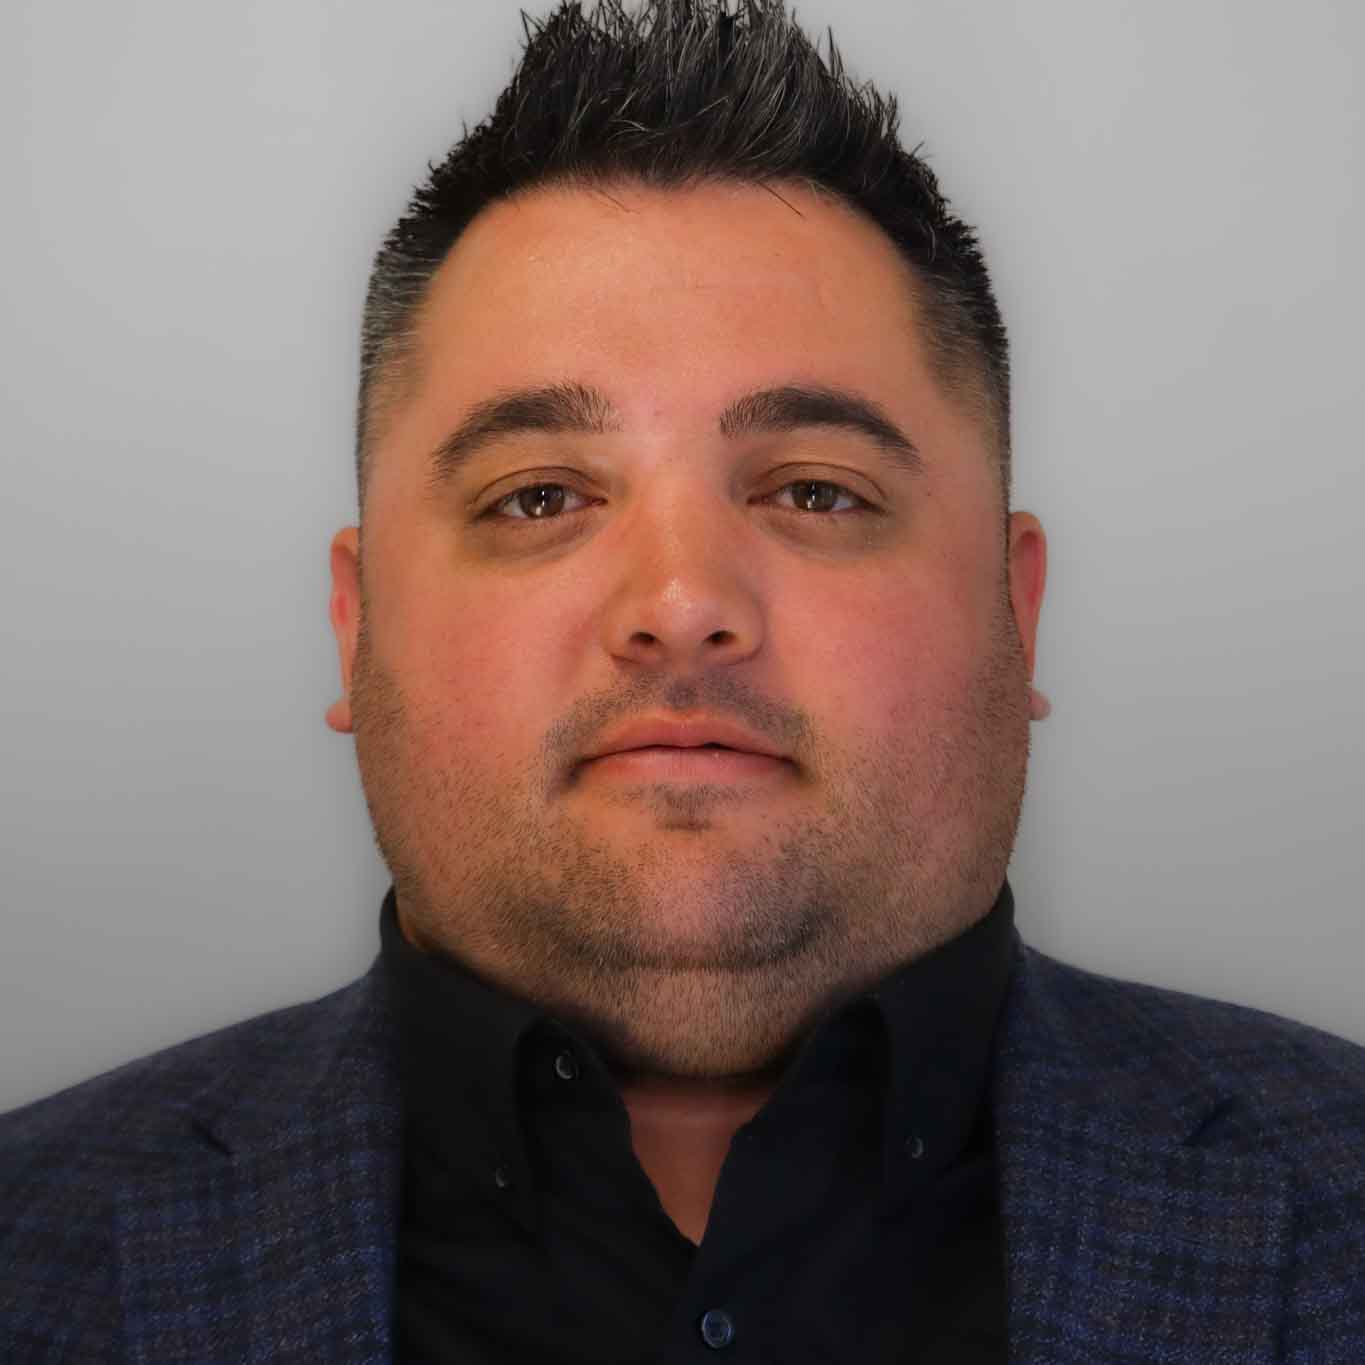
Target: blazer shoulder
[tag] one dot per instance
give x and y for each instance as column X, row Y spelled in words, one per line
column 1285, row 1073
column 73, row 1165
column 1276, row 1105
column 141, row 1107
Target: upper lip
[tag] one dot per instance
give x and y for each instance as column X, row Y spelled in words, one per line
column 683, row 734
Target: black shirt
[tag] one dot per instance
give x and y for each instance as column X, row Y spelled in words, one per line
column 855, row 1218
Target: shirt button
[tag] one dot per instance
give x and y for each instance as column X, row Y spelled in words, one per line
column 717, row 1328
column 914, row 1146
column 566, row 1066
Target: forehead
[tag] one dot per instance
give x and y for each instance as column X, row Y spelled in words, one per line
column 626, row 266
column 671, row 302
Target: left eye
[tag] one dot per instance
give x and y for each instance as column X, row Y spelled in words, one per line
column 816, row 495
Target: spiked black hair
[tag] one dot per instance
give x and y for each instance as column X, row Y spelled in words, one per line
column 673, row 93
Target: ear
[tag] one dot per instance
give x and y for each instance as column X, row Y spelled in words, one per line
column 345, row 614
column 1028, row 576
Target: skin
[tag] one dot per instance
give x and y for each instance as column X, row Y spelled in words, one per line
column 695, row 931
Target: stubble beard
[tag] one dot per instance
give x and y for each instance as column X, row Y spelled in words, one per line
column 906, row 850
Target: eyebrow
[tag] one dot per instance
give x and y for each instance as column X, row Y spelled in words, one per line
column 791, row 407
column 579, row 408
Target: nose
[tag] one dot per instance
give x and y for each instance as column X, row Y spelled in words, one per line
column 684, row 598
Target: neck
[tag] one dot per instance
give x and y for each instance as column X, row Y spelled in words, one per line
column 681, row 1127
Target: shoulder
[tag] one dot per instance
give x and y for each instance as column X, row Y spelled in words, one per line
column 1227, row 1038
column 1278, row 1065
column 1277, row 1106
column 75, row 1143
column 1278, row 1083
column 87, row 1172
column 1166, row 1069
column 71, row 1163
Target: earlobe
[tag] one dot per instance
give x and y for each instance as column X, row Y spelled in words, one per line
column 345, row 616
column 338, row 716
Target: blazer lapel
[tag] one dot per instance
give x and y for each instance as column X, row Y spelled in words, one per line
column 1138, row 1226
column 267, row 1233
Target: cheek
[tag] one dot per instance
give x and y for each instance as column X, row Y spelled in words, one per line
column 878, row 657
column 479, row 670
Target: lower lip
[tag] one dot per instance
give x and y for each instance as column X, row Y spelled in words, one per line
column 661, row 764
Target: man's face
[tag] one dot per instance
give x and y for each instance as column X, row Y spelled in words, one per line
column 868, row 622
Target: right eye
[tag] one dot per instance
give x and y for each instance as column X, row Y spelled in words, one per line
column 534, row 502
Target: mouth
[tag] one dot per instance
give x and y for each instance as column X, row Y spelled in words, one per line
column 673, row 731
column 678, row 747
column 711, row 762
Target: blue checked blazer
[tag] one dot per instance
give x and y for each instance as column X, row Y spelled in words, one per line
column 1181, row 1181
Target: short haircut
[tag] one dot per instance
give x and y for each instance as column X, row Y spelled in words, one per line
column 673, row 94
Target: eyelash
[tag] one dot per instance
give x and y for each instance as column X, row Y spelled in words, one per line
column 492, row 512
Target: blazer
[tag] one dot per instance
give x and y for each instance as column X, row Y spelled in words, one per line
column 1180, row 1180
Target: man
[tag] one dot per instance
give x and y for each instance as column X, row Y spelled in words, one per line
column 687, row 639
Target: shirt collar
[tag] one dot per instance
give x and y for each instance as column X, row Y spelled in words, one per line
column 461, row 1039
column 941, row 1012
column 459, row 1036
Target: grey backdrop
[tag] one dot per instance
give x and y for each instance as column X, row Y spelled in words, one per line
column 1171, row 194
